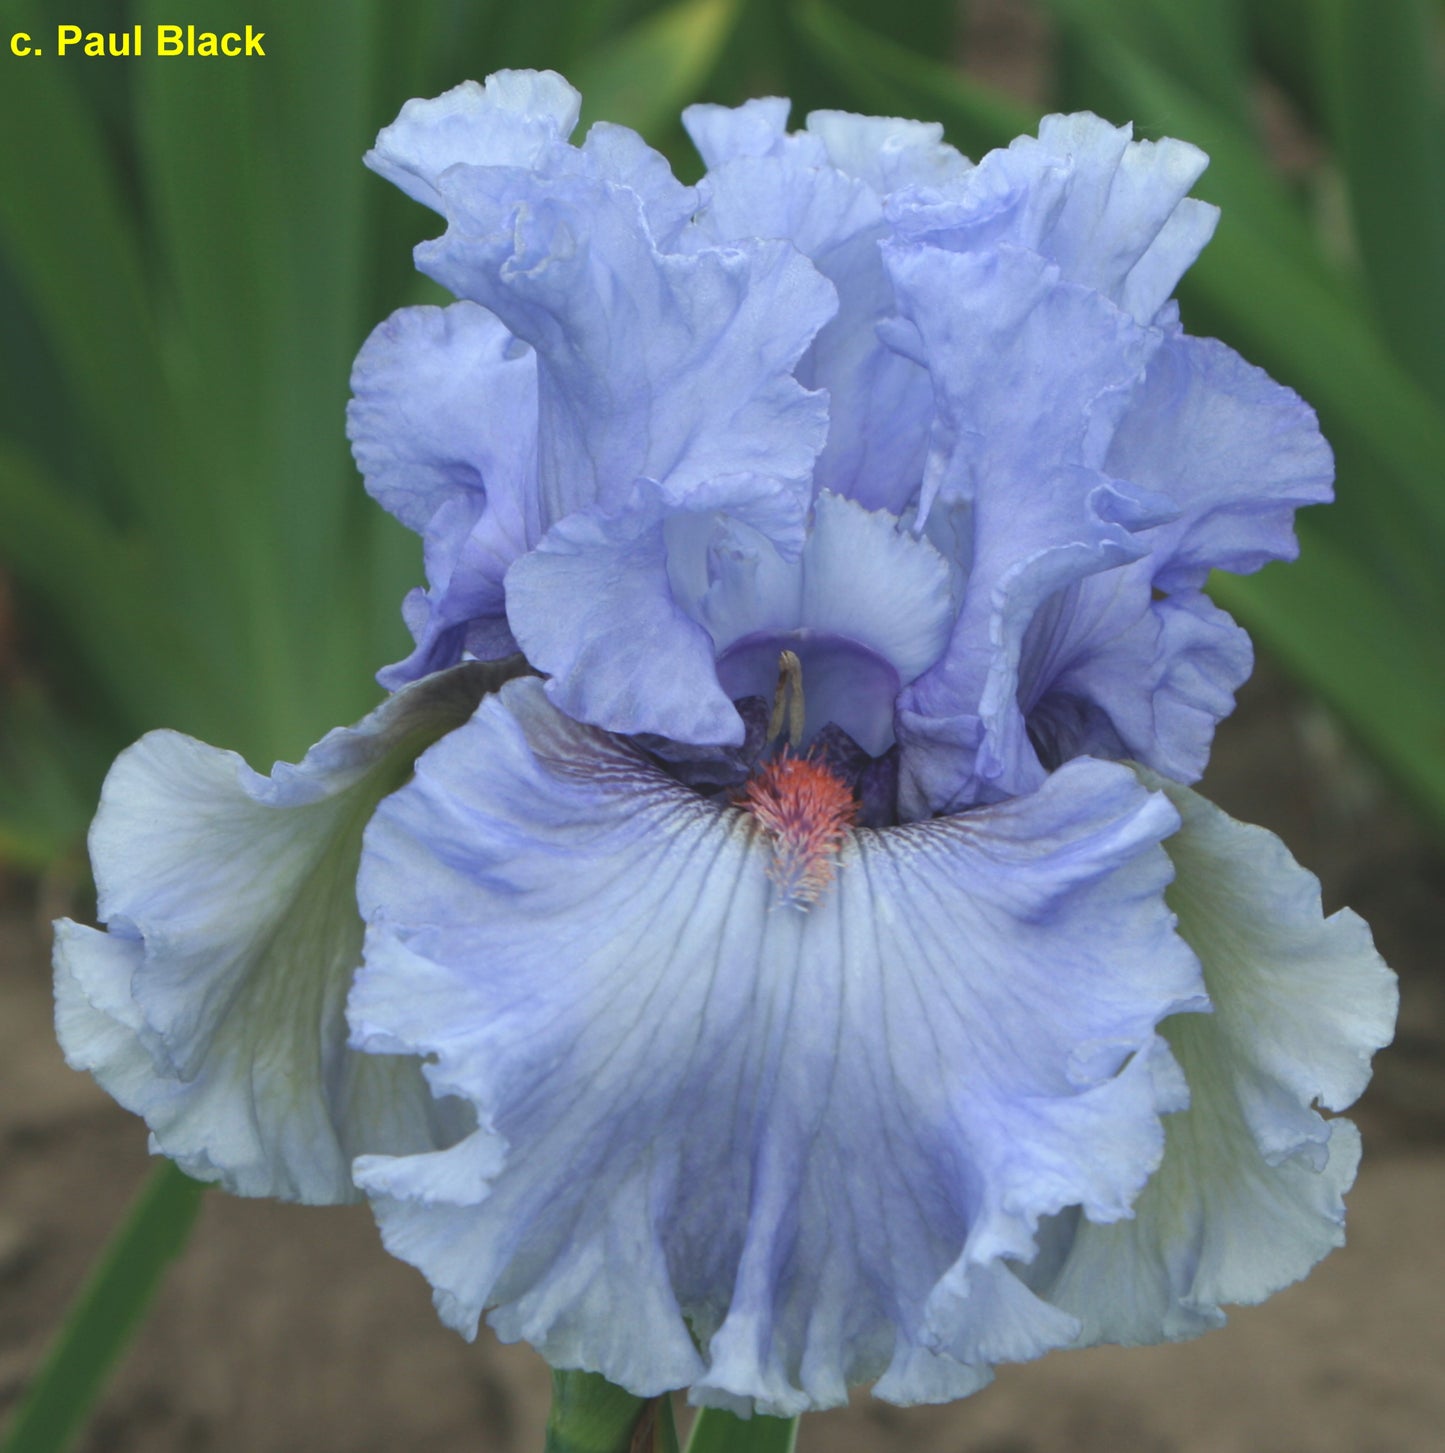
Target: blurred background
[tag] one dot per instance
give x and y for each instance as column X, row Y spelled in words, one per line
column 191, row 254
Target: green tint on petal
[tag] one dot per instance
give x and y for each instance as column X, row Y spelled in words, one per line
column 214, row 1005
column 1250, row 1193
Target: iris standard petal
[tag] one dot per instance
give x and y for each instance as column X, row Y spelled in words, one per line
column 668, row 366
column 1030, row 376
column 1114, row 214
column 213, row 1006
column 824, row 190
column 1236, row 451
column 1113, row 668
column 1138, row 662
column 727, row 1143
column 442, row 422
column 1249, row 1194
column 514, row 119
column 652, row 363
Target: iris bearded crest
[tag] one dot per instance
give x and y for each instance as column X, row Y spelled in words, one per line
column 880, row 1020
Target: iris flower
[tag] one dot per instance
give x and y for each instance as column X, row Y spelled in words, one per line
column 767, row 942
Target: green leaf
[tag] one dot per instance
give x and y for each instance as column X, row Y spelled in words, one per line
column 70, row 239
column 646, row 75
column 716, row 1431
column 591, row 1415
column 1199, row 43
column 51, row 768
column 1378, row 666
column 1380, row 82
column 888, row 78
column 86, row 573
column 108, row 1310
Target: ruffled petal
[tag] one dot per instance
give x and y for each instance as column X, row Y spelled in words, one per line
column 594, row 607
column 726, row 1143
column 1250, row 1192
column 1112, row 668
column 824, row 193
column 213, row 1006
column 1237, row 452
column 514, row 119
column 1114, row 214
column 1138, row 662
column 890, row 153
column 1030, row 377
column 722, row 134
column 443, row 426
column 659, row 365
column 859, row 576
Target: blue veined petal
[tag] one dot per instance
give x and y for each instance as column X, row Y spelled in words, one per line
column 1250, row 1192
column 726, row 1143
column 214, row 1005
column 443, row 426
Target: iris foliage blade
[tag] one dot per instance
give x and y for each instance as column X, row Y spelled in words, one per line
column 107, row 1312
column 716, row 1431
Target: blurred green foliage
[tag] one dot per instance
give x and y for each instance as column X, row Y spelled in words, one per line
column 191, row 253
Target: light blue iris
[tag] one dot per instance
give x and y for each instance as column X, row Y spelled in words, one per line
column 1037, row 1067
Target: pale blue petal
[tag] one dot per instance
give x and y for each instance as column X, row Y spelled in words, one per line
column 725, row 1143
column 594, row 607
column 889, row 153
column 1030, row 377
column 1112, row 213
column 1113, row 668
column 214, row 1006
column 1236, row 451
column 443, row 424
column 859, row 576
column 725, row 133
column 831, row 209
column 624, row 158
column 1137, row 662
column 659, row 365
column 861, row 581
column 1250, row 1193
column 514, row 119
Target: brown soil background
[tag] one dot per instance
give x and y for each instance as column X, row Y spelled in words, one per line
column 286, row 1328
